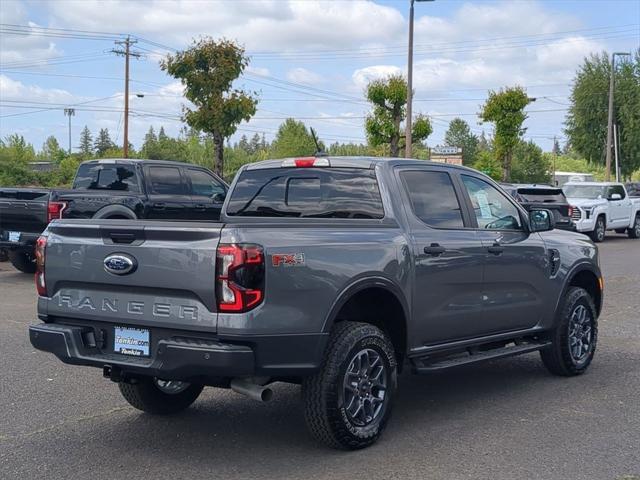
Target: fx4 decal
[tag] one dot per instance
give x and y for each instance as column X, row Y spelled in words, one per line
column 287, row 259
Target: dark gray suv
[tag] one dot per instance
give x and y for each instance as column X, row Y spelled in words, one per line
column 335, row 273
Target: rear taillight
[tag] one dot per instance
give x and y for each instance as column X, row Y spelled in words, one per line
column 239, row 277
column 570, row 210
column 55, row 209
column 41, row 284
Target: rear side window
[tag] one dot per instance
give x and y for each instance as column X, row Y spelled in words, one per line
column 542, row 195
column 106, row 177
column 165, row 181
column 433, row 198
column 307, row 192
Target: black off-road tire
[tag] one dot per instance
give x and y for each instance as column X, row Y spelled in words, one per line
column 146, row 396
column 326, row 414
column 558, row 357
column 599, row 231
column 22, row 261
column 634, row 232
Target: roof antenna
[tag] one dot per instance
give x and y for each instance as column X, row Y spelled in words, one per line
column 319, row 151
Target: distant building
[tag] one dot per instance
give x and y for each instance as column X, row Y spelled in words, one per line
column 42, row 166
column 446, row 154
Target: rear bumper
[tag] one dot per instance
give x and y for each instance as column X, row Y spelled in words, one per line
column 185, row 356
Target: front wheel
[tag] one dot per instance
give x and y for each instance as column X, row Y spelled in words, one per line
column 634, row 231
column 348, row 402
column 574, row 339
column 599, row 231
column 22, row 261
column 160, row 397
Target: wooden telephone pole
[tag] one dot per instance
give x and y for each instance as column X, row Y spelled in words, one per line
column 126, row 53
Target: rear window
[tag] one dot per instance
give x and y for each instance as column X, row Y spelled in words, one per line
column 106, row 177
column 307, row 192
column 542, row 195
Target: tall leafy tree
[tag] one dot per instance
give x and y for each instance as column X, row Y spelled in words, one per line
column 86, row 143
column 103, row 142
column 384, row 125
column 529, row 164
column 51, row 150
column 459, row 135
column 207, row 70
column 292, row 140
column 505, row 109
column 586, row 122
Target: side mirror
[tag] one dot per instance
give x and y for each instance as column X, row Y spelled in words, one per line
column 541, row 220
column 219, row 198
column 615, row 196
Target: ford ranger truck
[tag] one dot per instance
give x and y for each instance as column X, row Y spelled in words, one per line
column 335, row 273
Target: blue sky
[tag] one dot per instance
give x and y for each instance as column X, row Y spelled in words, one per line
column 309, row 59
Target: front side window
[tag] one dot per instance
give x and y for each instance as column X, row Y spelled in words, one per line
column 616, row 189
column 165, row 181
column 492, row 208
column 433, row 198
column 203, row 184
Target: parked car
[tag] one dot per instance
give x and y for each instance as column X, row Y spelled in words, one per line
column 109, row 188
column 602, row 206
column 336, row 273
column 535, row 196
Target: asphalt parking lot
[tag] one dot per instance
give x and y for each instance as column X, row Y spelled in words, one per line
column 507, row 419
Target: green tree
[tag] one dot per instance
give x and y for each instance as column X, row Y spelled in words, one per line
column 207, row 70
column 103, row 143
column 459, row 135
column 586, row 122
column 292, row 140
column 51, row 150
column 254, row 144
column 556, row 150
column 488, row 164
column 484, row 143
column 384, row 125
column 86, row 143
column 505, row 109
column 15, row 155
column 529, row 164
column 243, row 144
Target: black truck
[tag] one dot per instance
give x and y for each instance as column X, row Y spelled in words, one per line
column 109, row 189
column 533, row 196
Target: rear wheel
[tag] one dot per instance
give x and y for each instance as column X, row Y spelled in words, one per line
column 22, row 261
column 575, row 336
column 160, row 397
column 599, row 231
column 348, row 402
column 634, row 232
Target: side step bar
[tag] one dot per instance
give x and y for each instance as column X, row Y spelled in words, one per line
column 429, row 364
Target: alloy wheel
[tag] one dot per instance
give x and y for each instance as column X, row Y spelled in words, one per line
column 580, row 334
column 365, row 387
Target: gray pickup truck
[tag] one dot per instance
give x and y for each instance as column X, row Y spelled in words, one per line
column 336, row 273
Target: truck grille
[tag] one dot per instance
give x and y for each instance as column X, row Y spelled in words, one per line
column 576, row 213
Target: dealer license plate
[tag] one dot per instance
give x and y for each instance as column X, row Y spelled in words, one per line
column 131, row 341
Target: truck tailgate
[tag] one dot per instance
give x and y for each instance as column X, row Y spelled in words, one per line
column 172, row 283
column 23, row 210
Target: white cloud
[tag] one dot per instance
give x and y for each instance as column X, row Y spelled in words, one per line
column 362, row 76
column 304, row 76
column 14, row 90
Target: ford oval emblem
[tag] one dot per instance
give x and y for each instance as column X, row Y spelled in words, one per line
column 120, row 264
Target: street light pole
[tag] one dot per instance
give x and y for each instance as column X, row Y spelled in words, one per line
column 408, row 123
column 69, row 112
column 610, row 114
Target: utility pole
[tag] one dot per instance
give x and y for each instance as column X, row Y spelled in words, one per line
column 408, row 135
column 126, row 53
column 610, row 114
column 615, row 150
column 69, row 112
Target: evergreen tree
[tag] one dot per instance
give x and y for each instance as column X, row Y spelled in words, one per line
column 254, row 144
column 162, row 136
column 103, row 142
column 556, row 147
column 86, row 143
column 459, row 135
column 243, row 144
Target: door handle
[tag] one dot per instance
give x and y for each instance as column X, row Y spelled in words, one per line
column 435, row 249
column 200, row 206
column 158, row 205
column 496, row 249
